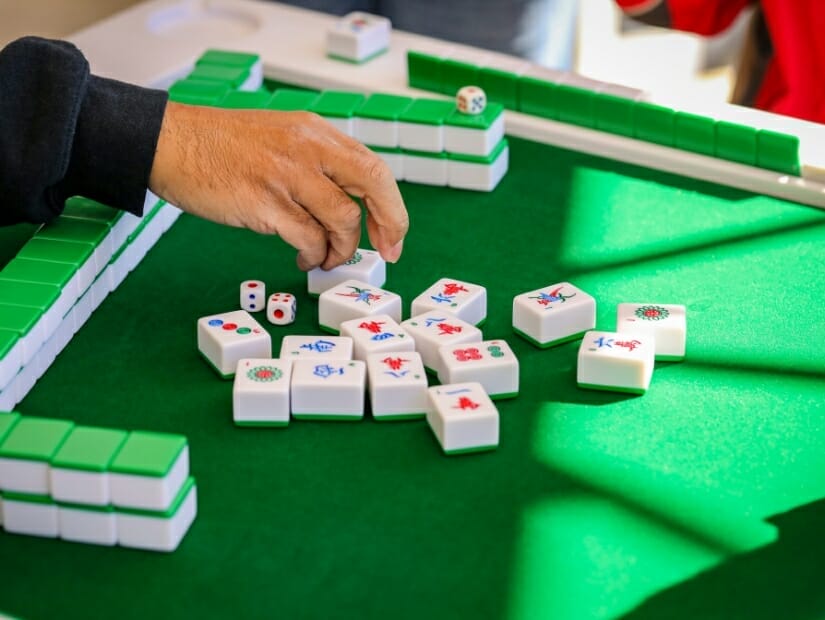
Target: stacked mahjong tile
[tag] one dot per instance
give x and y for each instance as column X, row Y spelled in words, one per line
column 216, row 74
column 371, row 350
column 60, row 277
column 620, row 361
column 94, row 485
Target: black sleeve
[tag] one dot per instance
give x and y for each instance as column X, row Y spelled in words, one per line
column 65, row 132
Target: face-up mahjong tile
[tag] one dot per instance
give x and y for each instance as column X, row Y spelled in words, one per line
column 467, row 301
column 667, row 323
column 376, row 334
column 615, row 361
column 365, row 265
column 463, row 418
column 223, row 339
column 554, row 314
column 491, row 363
column 353, row 299
column 328, row 390
column 397, row 385
column 260, row 394
column 321, row 347
column 435, row 329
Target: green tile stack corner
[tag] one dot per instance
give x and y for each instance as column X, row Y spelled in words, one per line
column 424, row 71
column 337, row 103
column 35, row 439
column 380, row 106
column 695, row 133
column 778, row 152
column 292, row 100
column 148, row 454
column 736, row 142
column 246, row 100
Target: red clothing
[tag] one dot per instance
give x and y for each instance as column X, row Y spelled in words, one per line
column 793, row 82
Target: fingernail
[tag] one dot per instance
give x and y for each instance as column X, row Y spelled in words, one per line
column 394, row 253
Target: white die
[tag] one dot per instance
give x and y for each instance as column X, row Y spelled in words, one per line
column 280, row 308
column 667, row 323
column 397, row 385
column 223, row 339
column 491, row 363
column 365, row 265
column 435, row 329
column 466, row 301
column 358, row 36
column 353, row 299
column 374, row 334
column 618, row 362
column 462, row 417
column 253, row 294
column 260, row 394
column 328, row 390
column 554, row 314
column 471, row 100
column 316, row 347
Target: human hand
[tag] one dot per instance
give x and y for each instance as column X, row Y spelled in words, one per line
column 284, row 173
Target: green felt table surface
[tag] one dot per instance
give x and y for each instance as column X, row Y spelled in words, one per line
column 701, row 499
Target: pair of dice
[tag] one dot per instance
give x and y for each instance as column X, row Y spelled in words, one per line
column 280, row 307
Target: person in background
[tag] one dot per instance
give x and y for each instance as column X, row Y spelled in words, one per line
column 66, row 132
column 784, row 56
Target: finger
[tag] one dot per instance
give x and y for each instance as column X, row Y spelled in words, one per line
column 362, row 173
column 339, row 214
column 299, row 229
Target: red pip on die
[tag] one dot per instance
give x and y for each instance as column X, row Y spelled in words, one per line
column 280, row 308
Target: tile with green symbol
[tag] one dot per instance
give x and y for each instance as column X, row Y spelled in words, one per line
column 74, row 229
column 292, row 100
column 337, row 104
column 736, row 142
column 777, row 151
column 246, row 100
column 223, row 74
column 427, row 112
column 40, row 271
column 424, row 71
column 695, row 133
column 89, row 448
column 476, row 121
column 384, row 107
column 28, row 294
column 148, row 454
column 228, row 58
column 7, row 421
column 35, row 439
column 56, row 251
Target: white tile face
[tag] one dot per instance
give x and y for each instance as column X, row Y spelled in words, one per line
column 462, row 299
column 328, row 390
column 621, row 362
column 435, row 329
column 353, row 299
column 253, row 295
column 421, row 137
column 281, row 308
column 425, row 170
column 357, row 36
column 376, row 334
column 375, row 132
column 150, row 492
column 395, row 161
column 473, row 141
column 223, row 339
column 87, row 526
column 30, row 518
column 260, row 395
column 365, row 265
column 491, row 363
column 478, row 177
column 316, row 347
column 462, row 417
column 79, row 487
column 666, row 323
column 156, row 533
column 23, row 475
column 553, row 314
column 397, row 385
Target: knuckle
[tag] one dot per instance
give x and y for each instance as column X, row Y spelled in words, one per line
column 377, row 171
